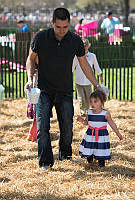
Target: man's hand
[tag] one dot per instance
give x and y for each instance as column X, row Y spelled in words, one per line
column 28, row 86
column 98, row 87
column 30, row 67
column 101, row 78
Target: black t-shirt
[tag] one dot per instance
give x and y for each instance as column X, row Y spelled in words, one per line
column 55, row 59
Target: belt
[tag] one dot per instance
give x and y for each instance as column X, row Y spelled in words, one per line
column 96, row 131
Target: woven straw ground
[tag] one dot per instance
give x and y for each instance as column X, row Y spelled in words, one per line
column 21, row 178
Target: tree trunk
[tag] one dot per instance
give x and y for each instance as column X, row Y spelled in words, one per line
column 126, row 11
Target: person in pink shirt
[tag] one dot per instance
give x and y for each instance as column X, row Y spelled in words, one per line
column 78, row 27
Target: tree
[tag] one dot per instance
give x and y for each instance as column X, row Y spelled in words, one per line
column 126, row 11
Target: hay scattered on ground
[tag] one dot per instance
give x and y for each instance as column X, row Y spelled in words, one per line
column 21, row 178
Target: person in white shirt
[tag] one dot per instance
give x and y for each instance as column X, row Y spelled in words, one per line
column 83, row 85
column 109, row 23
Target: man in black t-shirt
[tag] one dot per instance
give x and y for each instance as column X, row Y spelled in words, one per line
column 56, row 48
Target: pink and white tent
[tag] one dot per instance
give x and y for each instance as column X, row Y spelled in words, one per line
column 90, row 29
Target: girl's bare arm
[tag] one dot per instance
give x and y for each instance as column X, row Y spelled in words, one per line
column 113, row 125
column 83, row 121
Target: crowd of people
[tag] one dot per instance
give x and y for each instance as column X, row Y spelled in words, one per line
column 37, row 17
column 84, row 24
column 57, row 48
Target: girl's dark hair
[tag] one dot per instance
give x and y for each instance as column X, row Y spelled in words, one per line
column 61, row 13
column 99, row 94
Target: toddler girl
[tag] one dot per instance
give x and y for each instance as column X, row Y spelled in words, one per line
column 96, row 139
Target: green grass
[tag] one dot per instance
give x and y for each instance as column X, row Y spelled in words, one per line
column 120, row 87
column 14, row 84
column 120, row 81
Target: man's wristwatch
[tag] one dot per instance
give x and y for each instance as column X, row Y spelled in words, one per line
column 96, row 86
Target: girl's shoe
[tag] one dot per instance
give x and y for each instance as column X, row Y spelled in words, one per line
column 90, row 159
column 101, row 163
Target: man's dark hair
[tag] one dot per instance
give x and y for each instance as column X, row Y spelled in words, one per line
column 109, row 13
column 20, row 22
column 61, row 13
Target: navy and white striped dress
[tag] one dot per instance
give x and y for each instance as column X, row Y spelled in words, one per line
column 100, row 147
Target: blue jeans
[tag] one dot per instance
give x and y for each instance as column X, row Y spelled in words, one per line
column 65, row 111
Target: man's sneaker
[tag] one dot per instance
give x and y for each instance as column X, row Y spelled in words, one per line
column 45, row 167
column 65, row 158
column 69, row 158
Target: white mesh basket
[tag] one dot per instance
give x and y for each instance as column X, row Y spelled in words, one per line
column 33, row 95
column 1, row 93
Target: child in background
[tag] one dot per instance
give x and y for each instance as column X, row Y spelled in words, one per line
column 96, row 139
column 32, row 135
column 78, row 27
column 83, row 85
